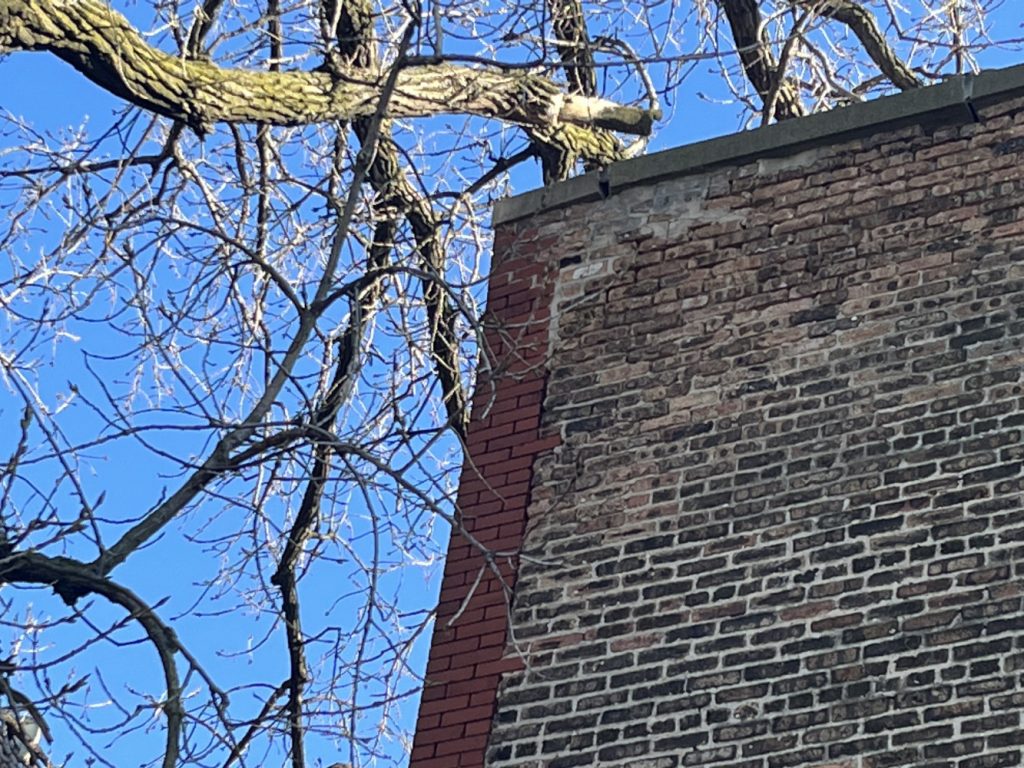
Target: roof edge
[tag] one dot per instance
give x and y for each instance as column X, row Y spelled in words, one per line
column 949, row 101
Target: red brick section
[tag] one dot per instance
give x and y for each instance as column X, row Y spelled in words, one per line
column 468, row 655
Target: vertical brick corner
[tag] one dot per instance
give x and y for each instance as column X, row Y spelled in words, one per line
column 468, row 650
column 783, row 526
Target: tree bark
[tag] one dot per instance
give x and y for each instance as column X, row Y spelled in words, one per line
column 760, row 66
column 101, row 44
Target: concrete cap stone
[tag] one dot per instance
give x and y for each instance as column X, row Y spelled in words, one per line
column 953, row 100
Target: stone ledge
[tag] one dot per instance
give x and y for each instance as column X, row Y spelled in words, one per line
column 950, row 101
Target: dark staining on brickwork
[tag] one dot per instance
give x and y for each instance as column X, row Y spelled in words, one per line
column 779, row 518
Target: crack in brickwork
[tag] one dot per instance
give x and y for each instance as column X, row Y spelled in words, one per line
column 784, row 524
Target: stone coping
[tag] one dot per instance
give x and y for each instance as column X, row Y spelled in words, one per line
column 953, row 100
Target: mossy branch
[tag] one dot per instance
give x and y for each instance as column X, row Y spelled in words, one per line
column 101, row 44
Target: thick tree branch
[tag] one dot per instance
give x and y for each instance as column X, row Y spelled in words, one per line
column 71, row 579
column 864, row 25
column 353, row 26
column 308, row 516
column 102, row 45
column 560, row 148
column 573, row 43
column 759, row 64
column 390, row 182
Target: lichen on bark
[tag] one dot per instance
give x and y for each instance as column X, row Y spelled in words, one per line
column 102, row 45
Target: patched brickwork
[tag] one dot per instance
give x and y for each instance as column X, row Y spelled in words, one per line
column 783, row 522
column 467, row 655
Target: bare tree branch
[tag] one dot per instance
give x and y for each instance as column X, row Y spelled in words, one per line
column 71, row 579
column 102, row 45
column 864, row 25
column 759, row 64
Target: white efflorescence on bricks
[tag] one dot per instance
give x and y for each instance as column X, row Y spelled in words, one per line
column 783, row 524
column 757, row 453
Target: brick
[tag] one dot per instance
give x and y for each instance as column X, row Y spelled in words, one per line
column 766, row 483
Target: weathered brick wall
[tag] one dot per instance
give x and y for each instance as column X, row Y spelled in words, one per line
column 779, row 519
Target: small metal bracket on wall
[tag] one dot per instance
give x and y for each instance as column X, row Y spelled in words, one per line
column 967, row 84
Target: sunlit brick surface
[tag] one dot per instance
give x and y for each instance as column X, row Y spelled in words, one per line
column 775, row 516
